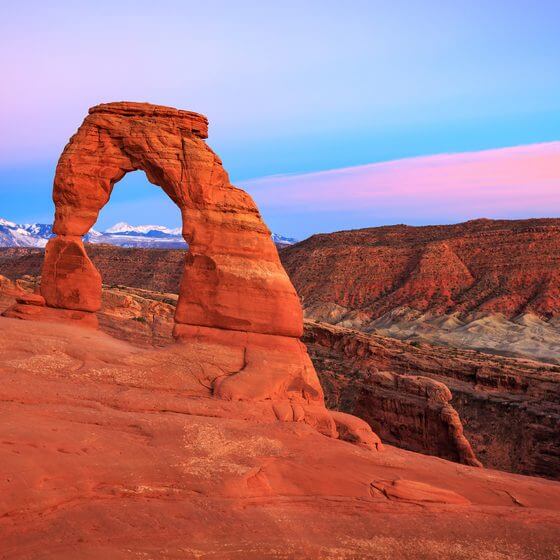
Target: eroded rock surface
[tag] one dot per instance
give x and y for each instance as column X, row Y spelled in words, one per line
column 507, row 409
column 484, row 266
column 108, row 450
column 489, row 285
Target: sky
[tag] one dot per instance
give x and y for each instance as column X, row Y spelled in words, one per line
column 291, row 89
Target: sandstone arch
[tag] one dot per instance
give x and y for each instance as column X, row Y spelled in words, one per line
column 238, row 317
column 232, row 279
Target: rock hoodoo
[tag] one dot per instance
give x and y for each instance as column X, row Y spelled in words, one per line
column 238, row 316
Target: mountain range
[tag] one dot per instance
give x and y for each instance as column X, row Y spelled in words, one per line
column 121, row 234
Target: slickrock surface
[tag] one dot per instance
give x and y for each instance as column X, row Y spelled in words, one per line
column 112, row 451
column 509, row 408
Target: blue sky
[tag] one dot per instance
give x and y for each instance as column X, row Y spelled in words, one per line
column 289, row 87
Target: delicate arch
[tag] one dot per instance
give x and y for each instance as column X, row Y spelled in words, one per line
column 232, row 279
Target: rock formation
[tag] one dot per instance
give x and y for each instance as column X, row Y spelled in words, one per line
column 490, row 266
column 408, row 410
column 150, row 269
column 238, row 315
column 509, row 408
column 232, row 276
column 108, row 450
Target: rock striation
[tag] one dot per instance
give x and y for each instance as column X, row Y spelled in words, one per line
column 459, row 404
column 482, row 266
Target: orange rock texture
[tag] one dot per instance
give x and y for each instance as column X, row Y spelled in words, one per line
column 481, row 266
column 232, row 271
column 238, row 315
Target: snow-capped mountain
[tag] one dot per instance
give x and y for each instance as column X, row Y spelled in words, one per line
column 121, row 234
column 17, row 235
column 281, row 240
column 150, row 230
column 125, row 235
column 31, row 235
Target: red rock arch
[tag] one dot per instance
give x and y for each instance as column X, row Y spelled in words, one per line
column 232, row 279
column 238, row 318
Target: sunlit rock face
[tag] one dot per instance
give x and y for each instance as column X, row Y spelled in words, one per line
column 232, row 278
column 238, row 318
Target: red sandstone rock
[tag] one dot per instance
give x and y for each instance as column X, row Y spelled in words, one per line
column 503, row 412
column 33, row 312
column 111, row 451
column 417, row 492
column 490, row 266
column 232, row 278
column 69, row 279
column 258, row 366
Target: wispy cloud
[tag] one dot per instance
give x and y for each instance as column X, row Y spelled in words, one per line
column 492, row 183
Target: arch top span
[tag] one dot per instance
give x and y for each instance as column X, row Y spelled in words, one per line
column 196, row 122
column 232, row 279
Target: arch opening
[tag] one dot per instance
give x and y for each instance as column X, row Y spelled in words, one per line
column 136, row 204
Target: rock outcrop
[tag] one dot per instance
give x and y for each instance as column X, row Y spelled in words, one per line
column 507, row 410
column 149, row 269
column 237, row 316
column 411, row 411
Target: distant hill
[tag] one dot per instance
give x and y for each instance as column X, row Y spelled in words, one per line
column 491, row 266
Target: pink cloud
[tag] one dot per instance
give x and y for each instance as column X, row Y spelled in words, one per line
column 491, row 183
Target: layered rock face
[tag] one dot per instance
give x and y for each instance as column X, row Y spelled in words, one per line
column 487, row 266
column 507, row 409
column 412, row 411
